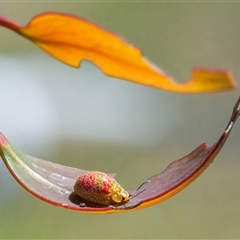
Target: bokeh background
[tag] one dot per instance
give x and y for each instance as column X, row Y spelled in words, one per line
column 81, row 118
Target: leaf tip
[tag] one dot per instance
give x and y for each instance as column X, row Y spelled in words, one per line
column 213, row 80
column 3, row 141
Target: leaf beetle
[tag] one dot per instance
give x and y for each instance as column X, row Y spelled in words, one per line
column 101, row 188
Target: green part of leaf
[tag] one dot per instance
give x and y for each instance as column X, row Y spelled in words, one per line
column 46, row 180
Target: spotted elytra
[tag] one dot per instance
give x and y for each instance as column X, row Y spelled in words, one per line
column 99, row 187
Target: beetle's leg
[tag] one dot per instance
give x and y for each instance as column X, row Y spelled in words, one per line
column 124, row 207
column 81, row 204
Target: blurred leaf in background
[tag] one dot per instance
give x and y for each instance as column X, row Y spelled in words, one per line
column 72, row 39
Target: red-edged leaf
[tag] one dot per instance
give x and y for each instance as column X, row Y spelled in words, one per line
column 72, row 39
column 53, row 183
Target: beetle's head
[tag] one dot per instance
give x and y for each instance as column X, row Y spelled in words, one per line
column 119, row 195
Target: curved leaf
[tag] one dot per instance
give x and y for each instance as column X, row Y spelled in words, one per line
column 72, row 39
column 53, row 183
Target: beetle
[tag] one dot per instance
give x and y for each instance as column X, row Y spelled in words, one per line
column 99, row 187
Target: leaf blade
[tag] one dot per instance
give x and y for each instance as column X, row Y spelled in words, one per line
column 200, row 159
column 53, row 182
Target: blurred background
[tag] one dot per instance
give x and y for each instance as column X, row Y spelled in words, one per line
column 81, row 118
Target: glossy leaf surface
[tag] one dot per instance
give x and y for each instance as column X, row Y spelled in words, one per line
column 72, row 39
column 53, row 183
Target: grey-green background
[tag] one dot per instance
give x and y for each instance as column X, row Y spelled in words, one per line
column 80, row 118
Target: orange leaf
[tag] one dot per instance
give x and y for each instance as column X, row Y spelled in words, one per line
column 71, row 39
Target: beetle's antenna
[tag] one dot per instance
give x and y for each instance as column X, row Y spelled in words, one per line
column 134, row 195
